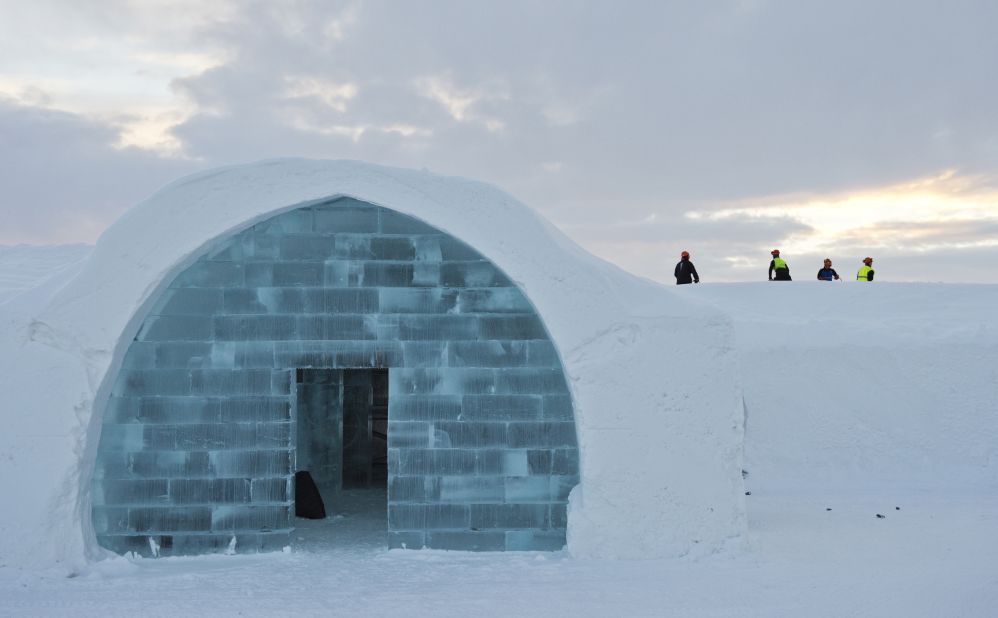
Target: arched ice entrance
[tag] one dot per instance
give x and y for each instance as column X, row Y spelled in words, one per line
column 241, row 374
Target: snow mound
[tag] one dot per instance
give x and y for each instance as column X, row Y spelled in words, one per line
column 653, row 375
column 23, row 267
column 859, row 387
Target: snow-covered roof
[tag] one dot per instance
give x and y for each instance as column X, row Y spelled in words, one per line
column 653, row 376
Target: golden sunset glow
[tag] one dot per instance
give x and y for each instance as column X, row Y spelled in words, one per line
column 925, row 214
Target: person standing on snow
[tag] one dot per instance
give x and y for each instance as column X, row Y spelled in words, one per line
column 686, row 272
column 827, row 273
column 779, row 267
column 866, row 270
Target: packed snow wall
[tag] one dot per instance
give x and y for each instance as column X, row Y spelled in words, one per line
column 852, row 387
column 653, row 376
column 199, row 440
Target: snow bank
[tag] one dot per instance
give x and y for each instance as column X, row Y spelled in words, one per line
column 853, row 387
column 23, row 267
column 653, row 375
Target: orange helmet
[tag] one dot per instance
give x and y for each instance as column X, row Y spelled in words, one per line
column 684, row 254
column 775, row 252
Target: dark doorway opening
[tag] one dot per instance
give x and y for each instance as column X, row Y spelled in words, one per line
column 365, row 428
column 342, row 443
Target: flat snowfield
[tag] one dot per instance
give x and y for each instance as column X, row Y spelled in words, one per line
column 934, row 557
column 871, row 451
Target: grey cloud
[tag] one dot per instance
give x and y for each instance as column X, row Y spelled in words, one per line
column 610, row 111
column 671, row 102
column 682, row 231
column 63, row 180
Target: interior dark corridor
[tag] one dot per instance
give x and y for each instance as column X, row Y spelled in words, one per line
column 342, row 443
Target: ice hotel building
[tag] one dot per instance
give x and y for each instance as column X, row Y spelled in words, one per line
column 373, row 327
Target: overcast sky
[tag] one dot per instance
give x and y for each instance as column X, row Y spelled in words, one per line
column 727, row 128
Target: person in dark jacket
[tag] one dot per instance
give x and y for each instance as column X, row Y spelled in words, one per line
column 686, row 272
column 827, row 273
column 778, row 267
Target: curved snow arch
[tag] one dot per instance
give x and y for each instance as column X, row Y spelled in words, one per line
column 197, row 441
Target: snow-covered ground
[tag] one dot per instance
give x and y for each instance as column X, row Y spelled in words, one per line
column 934, row 557
column 861, row 400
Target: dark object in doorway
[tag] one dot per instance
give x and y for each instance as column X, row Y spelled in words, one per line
column 308, row 502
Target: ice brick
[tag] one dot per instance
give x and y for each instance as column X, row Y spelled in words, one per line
column 432, row 461
column 297, row 273
column 510, row 516
column 423, row 407
column 176, row 328
column 271, row 489
column 403, row 434
column 471, row 489
column 565, row 461
column 535, row 540
column 127, row 492
column 487, row 353
column 427, row 248
column 427, row 516
column 530, row 489
column 463, row 434
column 541, row 434
column 417, row 300
column 494, row 300
column 246, row 518
column 501, row 407
column 235, row 409
column 169, row 519
column 424, row 354
column 512, row 327
column 533, row 380
column 392, row 248
column 256, row 327
column 430, row 327
column 466, row 540
column 185, row 355
column 216, row 436
column 252, row 463
column 406, row 539
column 209, row 491
column 309, row 247
column 240, row 301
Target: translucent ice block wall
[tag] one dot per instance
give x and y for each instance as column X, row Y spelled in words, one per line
column 197, row 447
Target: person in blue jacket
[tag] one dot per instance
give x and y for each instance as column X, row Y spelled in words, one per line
column 827, row 273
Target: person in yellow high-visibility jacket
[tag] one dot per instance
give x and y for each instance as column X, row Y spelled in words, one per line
column 778, row 267
column 865, row 272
